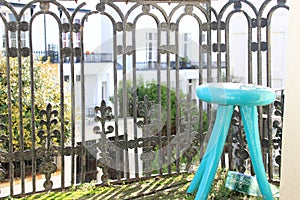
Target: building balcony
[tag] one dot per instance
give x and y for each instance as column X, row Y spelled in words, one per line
column 53, row 57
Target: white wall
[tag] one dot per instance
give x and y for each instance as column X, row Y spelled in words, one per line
column 95, row 74
column 290, row 174
column 238, row 43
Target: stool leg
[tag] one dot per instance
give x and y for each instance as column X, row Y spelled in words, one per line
column 250, row 120
column 208, row 166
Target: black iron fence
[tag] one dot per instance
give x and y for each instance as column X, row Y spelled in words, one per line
column 146, row 128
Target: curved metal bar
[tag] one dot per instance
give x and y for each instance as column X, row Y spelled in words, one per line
column 172, row 13
column 269, row 18
column 227, row 22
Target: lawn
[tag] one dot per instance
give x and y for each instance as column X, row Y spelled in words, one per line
column 168, row 187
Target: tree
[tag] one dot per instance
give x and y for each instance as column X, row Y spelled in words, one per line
column 150, row 89
column 46, row 90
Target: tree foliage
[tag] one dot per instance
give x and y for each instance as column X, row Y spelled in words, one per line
column 46, row 90
column 151, row 89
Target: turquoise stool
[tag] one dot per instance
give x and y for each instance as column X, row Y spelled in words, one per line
column 227, row 95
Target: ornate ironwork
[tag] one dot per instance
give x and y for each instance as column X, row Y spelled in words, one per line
column 44, row 6
column 150, row 126
column 48, row 149
column 188, row 129
column 240, row 151
column 150, row 112
column 101, row 149
column 277, row 124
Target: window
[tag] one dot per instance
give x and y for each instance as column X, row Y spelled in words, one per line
column 3, row 40
column 23, row 39
column 65, row 36
column 12, row 35
column 203, row 38
column 186, row 41
column 66, row 78
column 77, row 35
column 150, row 52
column 185, row 46
column 11, row 17
column 23, row 34
column 151, row 43
column 150, row 36
column 204, row 54
column 185, row 35
column 3, row 32
column 104, row 90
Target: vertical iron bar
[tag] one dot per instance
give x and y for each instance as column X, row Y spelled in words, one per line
column 209, row 57
column 9, row 95
column 189, row 108
column 209, row 61
column 83, row 104
column 219, row 64
column 259, row 73
column 62, row 115
column 160, row 153
column 259, row 69
column 227, row 53
column 259, row 55
column 169, row 153
column 229, row 148
column 178, row 127
column 73, row 108
column 219, row 53
column 116, row 100
column 227, row 79
column 250, row 62
column 125, row 100
column 269, row 114
column 200, row 76
column 22, row 163
column 33, row 138
column 135, row 101
column 82, row 90
column 209, row 42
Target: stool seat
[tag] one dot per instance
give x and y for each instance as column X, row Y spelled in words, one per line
column 235, row 94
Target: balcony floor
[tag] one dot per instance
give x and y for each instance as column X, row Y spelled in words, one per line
column 168, row 187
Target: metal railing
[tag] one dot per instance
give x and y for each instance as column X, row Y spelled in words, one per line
column 53, row 57
column 146, row 128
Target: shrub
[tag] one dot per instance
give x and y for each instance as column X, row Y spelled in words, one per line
column 46, row 90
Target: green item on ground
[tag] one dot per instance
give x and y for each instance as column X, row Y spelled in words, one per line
column 246, row 184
